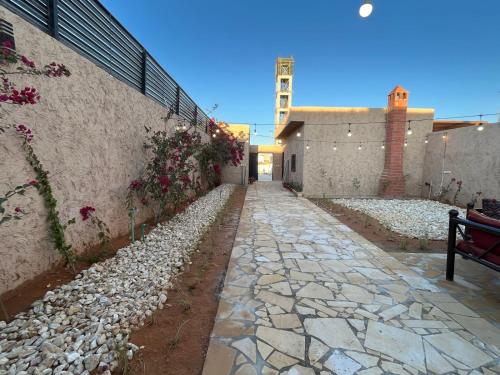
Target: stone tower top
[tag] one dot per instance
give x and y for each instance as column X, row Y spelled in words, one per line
column 283, row 99
column 398, row 98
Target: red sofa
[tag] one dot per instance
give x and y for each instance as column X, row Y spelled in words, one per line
column 480, row 240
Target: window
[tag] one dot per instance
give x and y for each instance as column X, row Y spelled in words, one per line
column 283, row 101
column 284, row 84
column 282, row 116
column 284, row 69
column 293, row 163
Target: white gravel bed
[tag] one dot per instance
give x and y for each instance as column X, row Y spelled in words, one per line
column 84, row 324
column 414, row 218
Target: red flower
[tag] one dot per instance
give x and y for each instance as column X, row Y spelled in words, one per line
column 165, row 183
column 135, row 185
column 144, row 201
column 86, row 212
column 27, row 62
column 56, row 70
column 18, row 210
column 33, row 182
column 217, row 169
column 24, row 131
column 186, row 179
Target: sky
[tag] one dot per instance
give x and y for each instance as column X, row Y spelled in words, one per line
column 445, row 53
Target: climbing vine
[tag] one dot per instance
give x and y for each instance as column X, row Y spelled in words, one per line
column 56, row 227
column 12, row 64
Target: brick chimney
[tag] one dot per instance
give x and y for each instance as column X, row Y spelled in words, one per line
column 392, row 181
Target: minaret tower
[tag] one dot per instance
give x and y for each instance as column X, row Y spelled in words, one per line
column 284, row 77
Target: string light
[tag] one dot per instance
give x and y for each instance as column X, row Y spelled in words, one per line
column 184, row 127
column 214, row 135
column 360, row 147
column 307, row 147
column 383, row 145
column 426, row 140
column 480, row 127
column 335, row 146
column 255, row 129
column 409, row 132
column 349, row 134
column 217, row 130
column 298, row 134
column 406, row 142
column 279, row 141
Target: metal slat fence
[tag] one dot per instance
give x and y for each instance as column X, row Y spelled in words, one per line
column 91, row 30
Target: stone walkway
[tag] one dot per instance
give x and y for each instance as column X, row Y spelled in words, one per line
column 305, row 295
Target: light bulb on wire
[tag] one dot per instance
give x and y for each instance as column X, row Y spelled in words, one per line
column 298, row 134
column 214, row 135
column 307, row 147
column 217, row 130
column 409, row 132
column 255, row 129
column 406, row 143
column 349, row 134
column 383, row 145
column 335, row 146
column 426, row 140
column 360, row 147
column 480, row 127
column 366, row 8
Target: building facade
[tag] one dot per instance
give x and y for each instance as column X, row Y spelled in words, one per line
column 378, row 157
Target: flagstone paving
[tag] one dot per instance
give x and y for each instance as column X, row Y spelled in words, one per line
column 305, row 295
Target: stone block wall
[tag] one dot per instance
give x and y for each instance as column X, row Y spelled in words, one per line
column 470, row 156
column 89, row 133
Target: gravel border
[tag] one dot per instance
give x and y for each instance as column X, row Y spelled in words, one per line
column 85, row 324
column 415, row 218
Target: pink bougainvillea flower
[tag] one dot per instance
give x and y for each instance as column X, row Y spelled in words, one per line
column 18, row 210
column 135, row 185
column 24, row 131
column 27, row 62
column 217, row 169
column 86, row 212
column 164, row 182
column 33, row 182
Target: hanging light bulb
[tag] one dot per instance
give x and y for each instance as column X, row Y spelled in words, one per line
column 214, row 135
column 307, row 147
column 298, row 134
column 279, row 141
column 480, row 127
column 383, row 145
column 335, row 146
column 217, row 130
column 406, row 142
column 366, row 8
column 426, row 140
column 349, row 134
column 360, row 147
column 255, row 129
column 184, row 127
column 409, row 132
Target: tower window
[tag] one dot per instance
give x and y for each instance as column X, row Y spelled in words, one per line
column 283, row 101
column 282, row 116
column 284, row 84
column 284, row 69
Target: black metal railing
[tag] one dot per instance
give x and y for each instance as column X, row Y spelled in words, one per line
column 89, row 28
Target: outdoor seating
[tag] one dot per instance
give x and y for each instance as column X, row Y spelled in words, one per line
column 480, row 240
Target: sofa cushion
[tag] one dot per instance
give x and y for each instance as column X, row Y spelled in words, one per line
column 482, row 241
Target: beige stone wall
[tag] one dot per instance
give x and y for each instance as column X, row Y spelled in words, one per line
column 89, row 133
column 238, row 175
column 329, row 173
column 470, row 156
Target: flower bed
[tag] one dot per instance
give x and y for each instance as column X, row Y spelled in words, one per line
column 414, row 218
column 85, row 324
